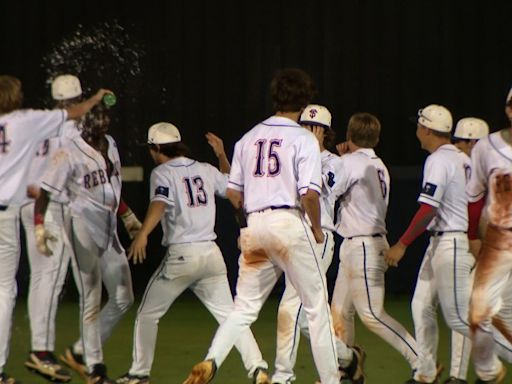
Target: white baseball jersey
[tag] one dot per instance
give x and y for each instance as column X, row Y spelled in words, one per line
column 20, row 133
column 94, row 194
column 330, row 167
column 45, row 151
column 363, row 186
column 281, row 162
column 188, row 187
column 490, row 154
column 444, row 179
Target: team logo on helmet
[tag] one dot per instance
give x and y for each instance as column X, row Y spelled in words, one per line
column 312, row 113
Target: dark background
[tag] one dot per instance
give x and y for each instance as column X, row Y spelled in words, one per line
column 206, row 65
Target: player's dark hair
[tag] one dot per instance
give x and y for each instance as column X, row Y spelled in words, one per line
column 444, row 135
column 330, row 138
column 291, row 90
column 364, row 130
column 11, row 96
column 172, row 149
column 61, row 104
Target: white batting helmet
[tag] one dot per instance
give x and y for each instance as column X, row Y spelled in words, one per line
column 436, row 117
column 66, row 87
column 163, row 133
column 315, row 114
column 471, row 128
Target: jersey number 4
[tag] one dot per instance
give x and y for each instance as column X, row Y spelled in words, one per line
column 194, row 187
column 4, row 143
column 270, row 165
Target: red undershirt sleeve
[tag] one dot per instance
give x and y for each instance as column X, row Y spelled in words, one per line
column 418, row 224
column 474, row 213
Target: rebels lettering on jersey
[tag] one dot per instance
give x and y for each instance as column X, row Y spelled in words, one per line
column 188, row 188
column 444, row 182
column 490, row 154
column 20, row 133
column 363, row 189
column 80, row 171
column 275, row 163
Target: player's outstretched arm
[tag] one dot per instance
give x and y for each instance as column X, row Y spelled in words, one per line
column 311, row 203
column 41, row 234
column 130, row 220
column 418, row 225
column 76, row 111
column 137, row 250
column 218, row 148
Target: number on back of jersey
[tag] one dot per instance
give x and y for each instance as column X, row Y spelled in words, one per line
column 4, row 143
column 267, row 158
column 194, row 188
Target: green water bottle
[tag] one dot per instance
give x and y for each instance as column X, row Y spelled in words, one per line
column 109, row 100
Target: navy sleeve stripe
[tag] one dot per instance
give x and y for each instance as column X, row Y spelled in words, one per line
column 51, row 187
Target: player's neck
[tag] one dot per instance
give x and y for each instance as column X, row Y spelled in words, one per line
column 436, row 143
column 290, row 115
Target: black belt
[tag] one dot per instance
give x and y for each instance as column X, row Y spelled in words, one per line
column 373, row 235
column 274, row 207
column 3, row 207
column 441, row 233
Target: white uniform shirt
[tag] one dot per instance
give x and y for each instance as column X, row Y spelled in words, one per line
column 363, row 186
column 45, row 150
column 94, row 196
column 188, row 187
column 330, row 168
column 490, row 154
column 444, row 181
column 20, row 133
column 275, row 163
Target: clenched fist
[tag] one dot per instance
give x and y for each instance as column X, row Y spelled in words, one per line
column 42, row 237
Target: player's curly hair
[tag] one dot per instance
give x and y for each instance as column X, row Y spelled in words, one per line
column 364, row 130
column 11, row 95
column 291, row 90
column 172, row 149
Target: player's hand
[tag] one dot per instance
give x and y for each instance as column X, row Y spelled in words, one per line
column 137, row 250
column 216, row 143
column 342, row 148
column 131, row 223
column 474, row 247
column 98, row 96
column 33, row 191
column 395, row 254
column 42, row 238
column 319, row 235
column 319, row 133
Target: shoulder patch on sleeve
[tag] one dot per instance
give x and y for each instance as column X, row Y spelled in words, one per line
column 429, row 189
column 163, row 191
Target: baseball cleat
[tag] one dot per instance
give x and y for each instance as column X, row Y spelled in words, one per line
column 45, row 364
column 75, row 361
column 498, row 379
column 132, row 379
column 98, row 375
column 202, row 373
column 260, row 376
column 6, row 379
column 355, row 371
column 454, row 380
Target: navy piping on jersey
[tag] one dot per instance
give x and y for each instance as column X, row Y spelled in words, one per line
column 182, row 165
column 295, row 330
column 51, row 187
column 316, row 185
column 497, row 150
column 238, row 185
column 371, row 309
column 429, row 198
column 331, row 327
column 280, row 125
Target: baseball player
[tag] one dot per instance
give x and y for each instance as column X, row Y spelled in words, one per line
column 21, row 130
column 467, row 133
column 47, row 274
column 88, row 169
column 444, row 274
column 183, row 200
column 290, row 317
column 491, row 298
column 276, row 172
column 363, row 186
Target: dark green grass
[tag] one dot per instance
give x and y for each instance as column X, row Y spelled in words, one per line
column 185, row 334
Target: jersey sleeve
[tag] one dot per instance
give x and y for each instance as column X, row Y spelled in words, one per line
column 342, row 178
column 236, row 175
column 434, row 182
column 477, row 184
column 220, row 181
column 309, row 166
column 160, row 188
column 47, row 123
column 56, row 176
